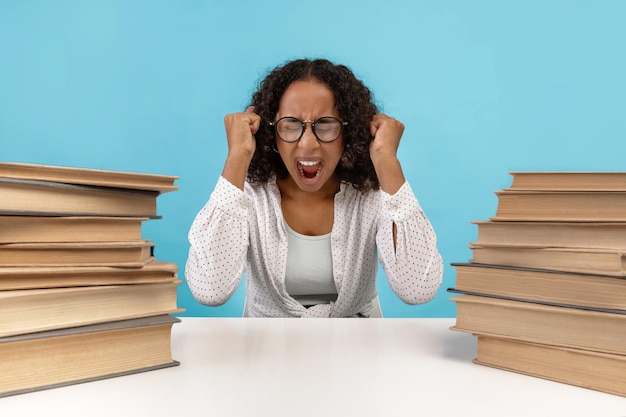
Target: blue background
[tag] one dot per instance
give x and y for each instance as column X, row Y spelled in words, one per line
column 483, row 87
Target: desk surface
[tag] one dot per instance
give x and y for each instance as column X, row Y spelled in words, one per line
column 319, row 367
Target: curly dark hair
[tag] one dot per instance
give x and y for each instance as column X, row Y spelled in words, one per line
column 354, row 103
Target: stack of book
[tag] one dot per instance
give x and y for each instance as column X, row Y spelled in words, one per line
column 545, row 291
column 82, row 296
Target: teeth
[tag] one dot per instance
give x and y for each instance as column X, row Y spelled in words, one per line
column 309, row 164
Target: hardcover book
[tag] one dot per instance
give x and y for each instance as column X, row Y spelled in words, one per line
column 564, row 288
column 601, row 206
column 45, row 198
column 39, row 229
column 28, row 277
column 28, row 311
column 89, row 176
column 132, row 254
column 578, row 328
column 568, row 181
column 584, row 260
column 552, row 234
column 84, row 354
column 583, row 368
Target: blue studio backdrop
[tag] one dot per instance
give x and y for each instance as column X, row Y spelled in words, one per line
column 483, row 87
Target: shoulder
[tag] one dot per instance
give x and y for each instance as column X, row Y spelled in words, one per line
column 263, row 198
column 350, row 199
column 264, row 189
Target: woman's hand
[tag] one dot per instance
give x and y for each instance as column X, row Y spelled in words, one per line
column 387, row 132
column 240, row 130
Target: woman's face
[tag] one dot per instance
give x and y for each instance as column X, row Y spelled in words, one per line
column 311, row 163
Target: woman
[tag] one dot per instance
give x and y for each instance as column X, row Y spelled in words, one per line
column 311, row 194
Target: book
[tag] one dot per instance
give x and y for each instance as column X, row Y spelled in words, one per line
column 89, row 176
column 552, row 234
column 62, row 357
column 30, row 277
column 126, row 253
column 30, row 197
column 607, row 206
column 585, row 260
column 569, row 181
column 35, row 310
column 593, row 370
column 578, row 328
column 564, row 288
column 24, row 229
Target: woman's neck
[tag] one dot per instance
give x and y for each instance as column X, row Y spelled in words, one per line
column 308, row 213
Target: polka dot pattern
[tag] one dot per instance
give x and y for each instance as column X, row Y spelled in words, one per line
column 243, row 232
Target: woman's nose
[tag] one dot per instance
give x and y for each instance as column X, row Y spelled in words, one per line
column 308, row 139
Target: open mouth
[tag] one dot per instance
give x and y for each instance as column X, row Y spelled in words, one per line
column 309, row 169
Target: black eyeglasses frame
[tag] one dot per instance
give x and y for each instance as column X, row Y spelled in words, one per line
column 312, row 122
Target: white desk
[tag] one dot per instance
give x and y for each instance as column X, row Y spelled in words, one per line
column 319, row 367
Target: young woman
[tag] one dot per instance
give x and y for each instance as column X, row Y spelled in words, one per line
column 311, row 196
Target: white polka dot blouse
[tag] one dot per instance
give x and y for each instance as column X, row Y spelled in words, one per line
column 241, row 233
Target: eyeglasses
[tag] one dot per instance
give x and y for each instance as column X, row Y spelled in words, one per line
column 326, row 129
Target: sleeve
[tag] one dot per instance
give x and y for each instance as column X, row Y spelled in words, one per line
column 413, row 265
column 219, row 240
